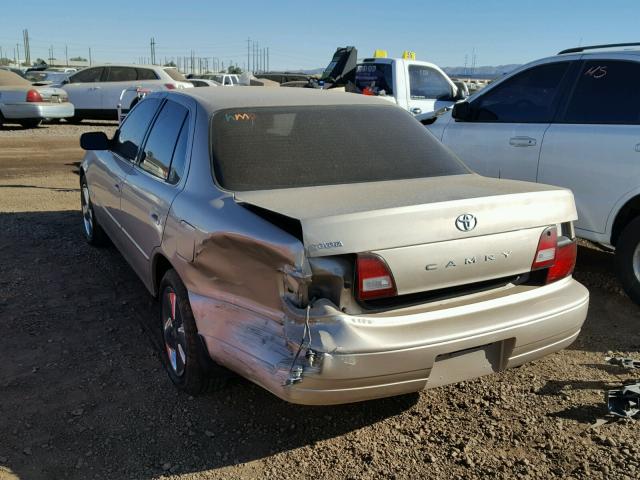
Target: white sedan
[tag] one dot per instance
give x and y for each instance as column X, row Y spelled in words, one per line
column 26, row 104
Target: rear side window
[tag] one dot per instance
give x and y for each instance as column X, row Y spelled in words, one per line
column 89, row 75
column 175, row 74
column 285, row 147
column 374, row 78
column 146, row 74
column 527, row 97
column 426, row 82
column 129, row 137
column 606, row 92
column 162, row 140
column 121, row 74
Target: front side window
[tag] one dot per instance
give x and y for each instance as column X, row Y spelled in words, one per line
column 606, row 92
column 527, row 97
column 286, row 147
column 426, row 82
column 121, row 74
column 374, row 78
column 129, row 137
column 89, row 75
column 162, row 140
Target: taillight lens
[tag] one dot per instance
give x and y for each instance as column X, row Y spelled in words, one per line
column 374, row 278
column 170, row 86
column 565, row 262
column 558, row 257
column 34, row 96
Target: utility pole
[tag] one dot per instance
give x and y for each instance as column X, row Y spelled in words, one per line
column 66, row 55
column 152, row 44
column 27, row 48
column 248, row 49
column 89, row 56
column 268, row 60
column 18, row 50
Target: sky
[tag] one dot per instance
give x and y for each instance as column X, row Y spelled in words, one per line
column 305, row 34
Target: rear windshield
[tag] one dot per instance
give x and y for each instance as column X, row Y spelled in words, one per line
column 374, row 78
column 175, row 74
column 285, row 147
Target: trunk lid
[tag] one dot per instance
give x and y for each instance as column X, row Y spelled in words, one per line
column 414, row 224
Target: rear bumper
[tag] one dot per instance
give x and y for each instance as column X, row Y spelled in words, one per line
column 24, row 110
column 370, row 356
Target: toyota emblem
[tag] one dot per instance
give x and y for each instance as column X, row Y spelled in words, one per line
column 466, row 222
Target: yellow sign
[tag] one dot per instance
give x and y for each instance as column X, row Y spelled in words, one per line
column 408, row 55
column 380, row 54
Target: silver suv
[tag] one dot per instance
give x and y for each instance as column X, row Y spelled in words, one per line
column 571, row 120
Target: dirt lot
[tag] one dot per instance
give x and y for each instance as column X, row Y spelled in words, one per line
column 83, row 394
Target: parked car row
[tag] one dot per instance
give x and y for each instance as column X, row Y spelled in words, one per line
column 571, row 120
column 327, row 246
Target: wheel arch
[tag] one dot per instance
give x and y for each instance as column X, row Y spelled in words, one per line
column 629, row 211
column 159, row 267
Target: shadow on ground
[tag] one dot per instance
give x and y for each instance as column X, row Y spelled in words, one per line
column 82, row 371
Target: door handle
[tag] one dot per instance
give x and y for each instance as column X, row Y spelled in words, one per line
column 522, row 141
column 155, row 218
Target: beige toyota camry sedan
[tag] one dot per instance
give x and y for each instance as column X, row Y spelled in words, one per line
column 326, row 246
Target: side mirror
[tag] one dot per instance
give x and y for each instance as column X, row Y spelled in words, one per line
column 64, row 82
column 461, row 91
column 94, row 141
column 461, row 111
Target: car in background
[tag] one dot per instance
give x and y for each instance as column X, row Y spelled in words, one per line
column 26, row 104
column 47, row 77
column 290, row 241
column 17, row 71
column 224, row 79
column 203, row 82
column 95, row 91
column 571, row 120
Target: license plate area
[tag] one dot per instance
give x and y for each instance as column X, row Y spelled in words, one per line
column 466, row 364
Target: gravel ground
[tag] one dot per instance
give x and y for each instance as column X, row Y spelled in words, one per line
column 83, row 393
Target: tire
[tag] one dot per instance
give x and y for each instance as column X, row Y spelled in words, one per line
column 93, row 232
column 628, row 259
column 190, row 369
column 30, row 122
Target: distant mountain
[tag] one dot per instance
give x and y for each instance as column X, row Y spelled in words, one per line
column 481, row 72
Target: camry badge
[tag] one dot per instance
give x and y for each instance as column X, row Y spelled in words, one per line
column 466, row 222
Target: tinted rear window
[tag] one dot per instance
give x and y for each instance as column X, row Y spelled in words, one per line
column 175, row 74
column 286, row 147
column 375, row 78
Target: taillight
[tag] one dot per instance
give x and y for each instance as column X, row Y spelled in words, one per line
column 374, row 278
column 559, row 258
column 34, row 96
column 170, row 86
column 565, row 261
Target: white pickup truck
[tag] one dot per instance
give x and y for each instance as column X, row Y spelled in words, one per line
column 419, row 87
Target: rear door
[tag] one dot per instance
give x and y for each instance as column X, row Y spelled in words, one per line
column 106, row 177
column 594, row 146
column 152, row 185
column 504, row 133
column 84, row 89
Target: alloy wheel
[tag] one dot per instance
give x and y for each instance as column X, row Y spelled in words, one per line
column 175, row 341
column 87, row 212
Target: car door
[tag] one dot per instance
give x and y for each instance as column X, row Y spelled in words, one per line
column 106, row 177
column 117, row 79
column 503, row 133
column 151, row 186
column 428, row 89
column 594, row 146
column 84, row 89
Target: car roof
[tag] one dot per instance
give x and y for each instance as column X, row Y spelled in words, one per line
column 215, row 99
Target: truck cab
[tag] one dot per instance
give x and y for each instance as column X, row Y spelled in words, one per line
column 417, row 86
